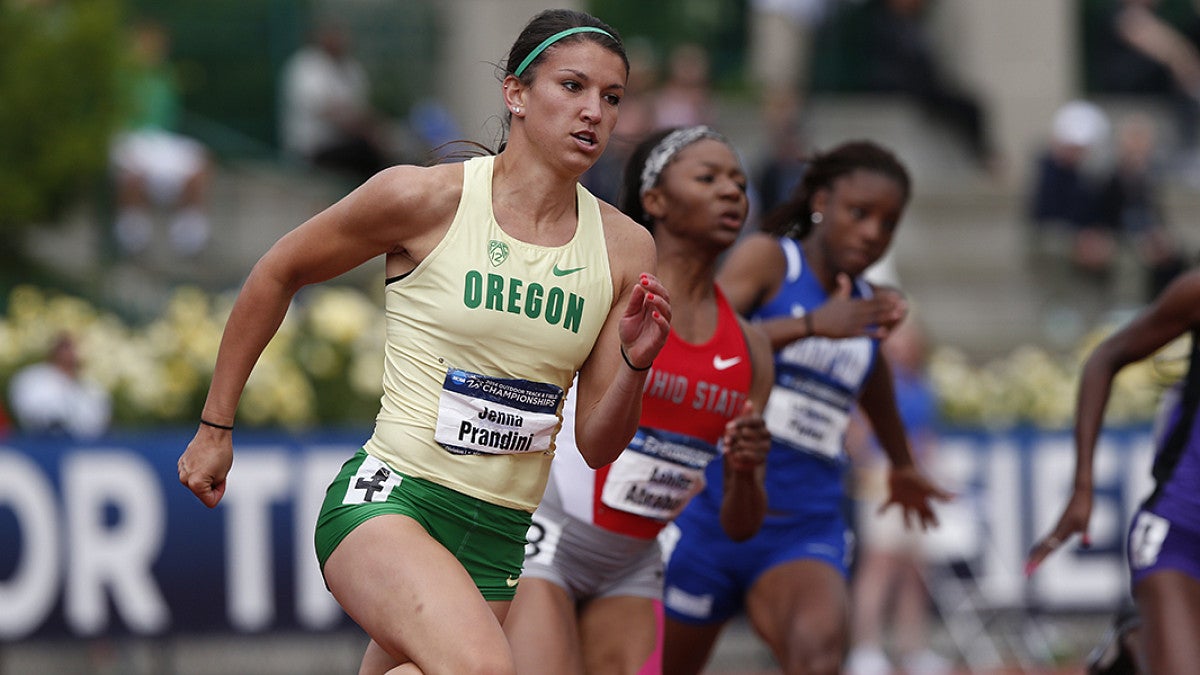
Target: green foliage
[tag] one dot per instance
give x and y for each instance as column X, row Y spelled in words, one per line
column 59, row 106
column 324, row 366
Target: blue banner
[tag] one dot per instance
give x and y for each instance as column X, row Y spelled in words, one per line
column 99, row 538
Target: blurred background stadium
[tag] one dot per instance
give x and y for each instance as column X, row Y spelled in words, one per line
column 87, row 587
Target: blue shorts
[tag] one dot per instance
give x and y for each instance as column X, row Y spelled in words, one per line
column 1156, row 544
column 708, row 574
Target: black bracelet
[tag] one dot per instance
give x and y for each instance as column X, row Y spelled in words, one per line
column 808, row 325
column 630, row 363
column 215, row 425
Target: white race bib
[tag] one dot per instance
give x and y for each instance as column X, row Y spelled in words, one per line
column 805, row 422
column 372, row 483
column 541, row 541
column 1146, row 541
column 478, row 414
column 657, row 474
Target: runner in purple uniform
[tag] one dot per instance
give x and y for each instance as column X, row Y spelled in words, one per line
column 1164, row 537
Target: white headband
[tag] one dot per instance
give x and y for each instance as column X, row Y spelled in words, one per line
column 668, row 147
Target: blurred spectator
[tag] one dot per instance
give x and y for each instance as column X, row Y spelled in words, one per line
column 685, row 98
column 1063, row 194
column 154, row 165
column 327, row 116
column 902, row 59
column 891, row 557
column 1129, row 208
column 1069, row 255
column 1136, row 51
column 781, row 42
column 783, row 162
column 782, row 37
column 434, row 126
column 1083, row 220
column 52, row 397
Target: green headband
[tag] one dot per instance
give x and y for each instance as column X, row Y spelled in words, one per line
column 555, row 38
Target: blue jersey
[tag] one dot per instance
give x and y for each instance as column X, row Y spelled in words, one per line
column 817, row 384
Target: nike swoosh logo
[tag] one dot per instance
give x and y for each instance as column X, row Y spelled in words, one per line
column 558, row 272
column 725, row 364
column 511, row 582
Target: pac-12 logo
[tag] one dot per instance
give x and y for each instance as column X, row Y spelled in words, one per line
column 497, row 252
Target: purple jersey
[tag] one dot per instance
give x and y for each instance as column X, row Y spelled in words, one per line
column 1176, row 494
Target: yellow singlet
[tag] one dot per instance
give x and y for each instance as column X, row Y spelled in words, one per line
column 482, row 338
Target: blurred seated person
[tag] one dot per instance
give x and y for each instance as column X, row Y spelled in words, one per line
column 52, row 397
column 327, row 116
column 892, row 613
column 685, row 97
column 1129, row 208
column 782, row 33
column 1069, row 255
column 1064, row 195
column 433, row 126
column 902, row 59
column 154, row 165
column 784, row 158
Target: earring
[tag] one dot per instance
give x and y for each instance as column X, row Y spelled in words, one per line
column 816, row 218
column 516, row 110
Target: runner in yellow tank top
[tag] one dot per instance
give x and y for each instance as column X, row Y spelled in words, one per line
column 505, row 280
column 533, row 313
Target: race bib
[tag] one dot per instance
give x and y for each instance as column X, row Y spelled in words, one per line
column 657, row 474
column 806, row 422
column 1146, row 541
column 372, row 483
column 541, row 541
column 478, row 414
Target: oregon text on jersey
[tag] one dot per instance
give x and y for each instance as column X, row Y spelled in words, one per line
column 515, row 296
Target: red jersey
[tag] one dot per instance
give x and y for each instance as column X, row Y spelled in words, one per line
column 691, row 392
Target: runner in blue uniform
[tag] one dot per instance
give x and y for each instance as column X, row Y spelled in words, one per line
column 800, row 281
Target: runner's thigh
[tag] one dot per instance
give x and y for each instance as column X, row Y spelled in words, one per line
column 801, row 610
column 542, row 630
column 618, row 634
column 415, row 599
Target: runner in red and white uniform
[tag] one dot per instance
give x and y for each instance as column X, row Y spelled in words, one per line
column 593, row 566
